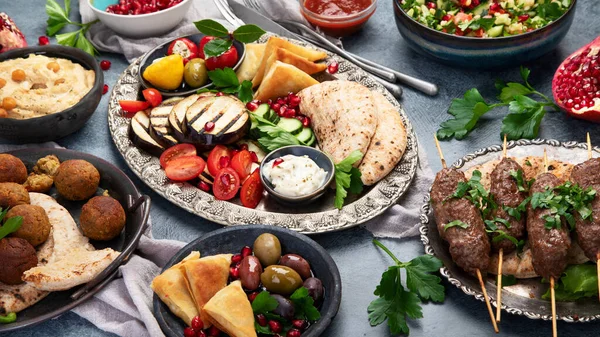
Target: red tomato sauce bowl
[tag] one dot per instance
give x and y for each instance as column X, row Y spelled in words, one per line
column 338, row 17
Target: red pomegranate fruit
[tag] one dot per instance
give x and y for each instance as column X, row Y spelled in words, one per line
column 576, row 83
column 10, row 36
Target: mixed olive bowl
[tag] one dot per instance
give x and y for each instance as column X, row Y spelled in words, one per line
column 483, row 53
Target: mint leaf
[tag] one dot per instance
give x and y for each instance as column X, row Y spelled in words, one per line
column 248, row 33
column 211, row 28
column 264, row 303
column 223, row 78
column 217, row 47
column 523, row 125
column 466, row 112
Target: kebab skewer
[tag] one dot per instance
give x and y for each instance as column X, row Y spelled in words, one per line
column 461, row 225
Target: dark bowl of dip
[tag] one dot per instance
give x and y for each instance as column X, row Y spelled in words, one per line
column 338, row 17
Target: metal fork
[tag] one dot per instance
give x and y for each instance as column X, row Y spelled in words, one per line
column 423, row 86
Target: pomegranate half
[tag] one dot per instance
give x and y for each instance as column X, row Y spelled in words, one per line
column 576, row 83
column 10, row 36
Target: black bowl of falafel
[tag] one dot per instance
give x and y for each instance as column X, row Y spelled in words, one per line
column 100, row 201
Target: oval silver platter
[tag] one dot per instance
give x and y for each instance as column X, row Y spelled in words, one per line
column 523, row 298
column 317, row 217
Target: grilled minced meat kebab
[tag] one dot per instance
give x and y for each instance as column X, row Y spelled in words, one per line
column 587, row 174
column 469, row 247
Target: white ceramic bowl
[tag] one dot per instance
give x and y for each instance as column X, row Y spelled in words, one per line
column 144, row 25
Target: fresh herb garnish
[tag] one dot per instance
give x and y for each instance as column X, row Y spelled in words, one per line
column 225, row 81
column 516, row 212
column 347, row 177
column 455, row 223
column 273, row 136
column 304, row 307
column 563, row 201
column 528, row 163
column 499, row 235
column 395, row 302
column 474, row 191
column 224, row 40
column 9, row 318
column 58, row 18
column 578, row 281
column 11, row 224
column 524, row 118
column 522, row 184
column 508, row 280
column 264, row 303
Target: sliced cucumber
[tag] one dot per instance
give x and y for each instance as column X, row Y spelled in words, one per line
column 262, row 111
column 273, row 117
column 291, row 125
column 495, row 31
column 312, row 140
column 479, row 9
column 305, row 135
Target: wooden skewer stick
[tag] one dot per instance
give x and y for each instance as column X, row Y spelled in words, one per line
column 483, row 290
column 500, row 258
column 552, row 295
column 589, row 148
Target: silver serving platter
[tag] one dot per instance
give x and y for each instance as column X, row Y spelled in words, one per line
column 317, row 217
column 523, row 298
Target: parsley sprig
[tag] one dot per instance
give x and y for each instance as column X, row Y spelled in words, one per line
column 523, row 121
column 347, row 177
column 58, row 18
column 474, row 191
column 224, row 39
column 563, row 201
column 395, row 302
column 272, row 136
column 225, row 81
column 304, row 308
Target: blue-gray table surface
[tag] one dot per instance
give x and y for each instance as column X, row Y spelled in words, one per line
column 360, row 263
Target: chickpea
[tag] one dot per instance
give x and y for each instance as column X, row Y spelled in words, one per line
column 2, row 83
column 9, row 103
column 3, row 113
column 18, row 75
column 59, row 81
column 54, row 66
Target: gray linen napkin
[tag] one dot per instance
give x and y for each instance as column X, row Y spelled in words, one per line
column 124, row 306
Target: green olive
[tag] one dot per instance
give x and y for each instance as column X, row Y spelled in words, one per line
column 267, row 249
column 195, row 73
column 280, row 279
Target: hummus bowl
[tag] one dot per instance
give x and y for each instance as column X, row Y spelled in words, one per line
column 61, row 123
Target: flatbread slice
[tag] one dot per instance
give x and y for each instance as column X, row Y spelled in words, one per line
column 282, row 79
column 387, row 145
column 277, row 42
column 343, row 114
column 205, row 277
column 231, row 311
column 249, row 67
column 285, row 56
column 171, row 287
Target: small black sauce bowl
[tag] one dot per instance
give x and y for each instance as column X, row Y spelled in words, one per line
column 320, row 158
column 62, row 123
column 184, row 89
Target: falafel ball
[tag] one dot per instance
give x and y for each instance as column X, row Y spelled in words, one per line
column 102, row 218
column 40, row 183
column 47, row 165
column 77, row 179
column 17, row 256
column 12, row 169
column 13, row 194
column 36, row 225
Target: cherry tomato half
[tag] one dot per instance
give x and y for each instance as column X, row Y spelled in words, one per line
column 152, row 96
column 174, row 152
column 242, row 163
column 252, row 190
column 203, row 43
column 227, row 59
column 184, row 47
column 133, row 106
column 214, row 159
column 185, row 168
column 227, row 184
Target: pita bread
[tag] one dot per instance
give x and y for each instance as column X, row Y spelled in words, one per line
column 74, row 260
column 387, row 145
column 277, row 42
column 343, row 114
column 285, row 56
column 249, row 67
column 231, row 311
column 281, row 79
column 206, row 276
column 171, row 287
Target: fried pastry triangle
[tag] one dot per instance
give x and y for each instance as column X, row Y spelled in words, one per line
column 231, row 311
column 285, row 56
column 281, row 79
column 249, row 67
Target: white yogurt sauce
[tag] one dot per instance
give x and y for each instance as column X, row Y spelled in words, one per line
column 295, row 176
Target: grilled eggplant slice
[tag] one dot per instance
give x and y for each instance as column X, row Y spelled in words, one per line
column 177, row 116
column 229, row 115
column 160, row 128
column 139, row 133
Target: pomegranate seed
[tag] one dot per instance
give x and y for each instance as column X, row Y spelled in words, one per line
column 275, row 326
column 246, row 251
column 431, row 5
column 104, row 89
column 219, row 94
column 475, row 3
column 234, row 152
column 447, row 17
column 251, row 298
column 494, row 7
column 523, row 18
column 277, row 161
column 189, row 332
column 243, row 146
column 209, row 126
column 234, row 272
column 203, row 186
column 226, row 179
column 213, row 331
column 261, row 320
column 43, row 40
column 200, row 333
column 254, row 157
column 299, row 324
column 105, row 64
column 333, row 67
column 276, row 107
column 236, row 258
column 281, row 101
column 295, row 101
column 197, row 323
column 306, row 122
column 293, row 333
column 270, row 102
column 252, row 105
column 283, row 109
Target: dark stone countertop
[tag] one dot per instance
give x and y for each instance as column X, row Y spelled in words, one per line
column 359, row 261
